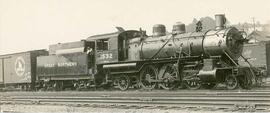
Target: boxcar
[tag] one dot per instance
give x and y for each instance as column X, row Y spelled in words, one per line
column 19, row 69
column 258, row 54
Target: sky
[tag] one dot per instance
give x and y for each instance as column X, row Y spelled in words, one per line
column 35, row 24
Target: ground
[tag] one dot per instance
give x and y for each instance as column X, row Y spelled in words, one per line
column 82, row 109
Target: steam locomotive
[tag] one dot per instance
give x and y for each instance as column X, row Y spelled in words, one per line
column 130, row 58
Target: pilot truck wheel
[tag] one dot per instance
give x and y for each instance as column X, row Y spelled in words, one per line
column 231, row 82
column 123, row 82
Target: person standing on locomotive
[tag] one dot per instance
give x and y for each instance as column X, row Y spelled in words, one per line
column 91, row 58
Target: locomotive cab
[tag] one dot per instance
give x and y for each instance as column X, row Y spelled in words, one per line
column 124, row 45
column 113, row 47
column 105, row 48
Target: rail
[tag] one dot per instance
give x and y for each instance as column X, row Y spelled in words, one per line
column 255, row 100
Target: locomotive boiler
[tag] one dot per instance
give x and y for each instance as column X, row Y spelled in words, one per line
column 213, row 42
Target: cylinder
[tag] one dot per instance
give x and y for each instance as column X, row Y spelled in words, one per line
column 159, row 30
column 179, row 28
column 220, row 21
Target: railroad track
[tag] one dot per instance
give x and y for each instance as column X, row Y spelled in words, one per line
column 254, row 100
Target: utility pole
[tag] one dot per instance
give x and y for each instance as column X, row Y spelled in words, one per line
column 254, row 26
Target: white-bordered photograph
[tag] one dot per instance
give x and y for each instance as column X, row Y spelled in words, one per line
column 134, row 56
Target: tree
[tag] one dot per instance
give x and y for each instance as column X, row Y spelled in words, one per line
column 207, row 23
column 192, row 26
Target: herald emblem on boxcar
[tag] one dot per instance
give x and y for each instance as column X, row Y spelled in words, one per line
column 19, row 66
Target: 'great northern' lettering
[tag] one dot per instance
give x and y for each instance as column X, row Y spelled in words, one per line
column 62, row 64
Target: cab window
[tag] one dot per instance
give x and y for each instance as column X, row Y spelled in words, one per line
column 103, row 44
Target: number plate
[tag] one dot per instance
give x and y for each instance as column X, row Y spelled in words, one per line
column 107, row 56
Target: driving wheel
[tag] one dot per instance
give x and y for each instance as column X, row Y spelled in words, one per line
column 148, row 75
column 168, row 75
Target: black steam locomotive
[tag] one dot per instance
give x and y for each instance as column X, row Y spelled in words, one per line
column 164, row 60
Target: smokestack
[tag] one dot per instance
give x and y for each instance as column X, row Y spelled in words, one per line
column 220, row 21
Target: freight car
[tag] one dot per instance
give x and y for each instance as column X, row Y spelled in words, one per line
column 258, row 54
column 18, row 70
column 133, row 59
column 258, row 57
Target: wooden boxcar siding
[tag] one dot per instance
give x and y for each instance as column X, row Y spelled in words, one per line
column 19, row 67
column 258, row 55
column 268, row 57
column 1, row 71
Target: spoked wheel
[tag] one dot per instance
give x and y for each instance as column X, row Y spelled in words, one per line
column 22, row 87
column 209, row 85
column 231, row 82
column 148, row 75
column 123, row 82
column 76, row 86
column 58, row 86
column 27, row 87
column 193, row 83
column 168, row 74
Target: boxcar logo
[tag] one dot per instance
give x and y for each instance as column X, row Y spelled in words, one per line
column 19, row 66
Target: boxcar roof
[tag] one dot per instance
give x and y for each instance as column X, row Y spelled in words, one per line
column 7, row 55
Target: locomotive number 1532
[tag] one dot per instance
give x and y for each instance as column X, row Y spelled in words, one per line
column 106, row 56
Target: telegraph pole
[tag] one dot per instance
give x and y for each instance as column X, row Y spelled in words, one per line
column 254, row 26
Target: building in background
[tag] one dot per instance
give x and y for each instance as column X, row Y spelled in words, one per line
column 258, row 36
